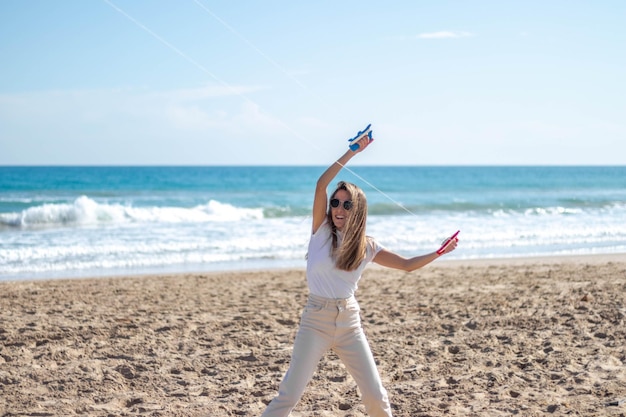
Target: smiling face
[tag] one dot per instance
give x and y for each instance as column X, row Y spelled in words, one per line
column 347, row 213
column 339, row 214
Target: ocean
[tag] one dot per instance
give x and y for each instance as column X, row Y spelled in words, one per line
column 102, row 221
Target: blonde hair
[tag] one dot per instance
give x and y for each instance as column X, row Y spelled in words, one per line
column 349, row 255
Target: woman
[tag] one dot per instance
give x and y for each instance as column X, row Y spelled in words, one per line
column 338, row 252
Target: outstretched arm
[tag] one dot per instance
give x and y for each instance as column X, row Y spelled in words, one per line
column 321, row 198
column 393, row 260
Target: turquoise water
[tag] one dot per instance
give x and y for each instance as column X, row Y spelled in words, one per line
column 90, row 221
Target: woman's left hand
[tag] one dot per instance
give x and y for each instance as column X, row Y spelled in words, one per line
column 363, row 143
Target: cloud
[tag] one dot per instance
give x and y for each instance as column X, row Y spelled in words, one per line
column 187, row 108
column 206, row 92
column 206, row 123
column 444, row 34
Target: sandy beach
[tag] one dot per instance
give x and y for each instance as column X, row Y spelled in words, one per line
column 527, row 337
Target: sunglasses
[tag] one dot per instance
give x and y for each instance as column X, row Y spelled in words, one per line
column 334, row 203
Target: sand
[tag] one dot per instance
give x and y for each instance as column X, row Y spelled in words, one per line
column 527, row 337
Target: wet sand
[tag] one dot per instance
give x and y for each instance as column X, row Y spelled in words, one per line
column 527, row 337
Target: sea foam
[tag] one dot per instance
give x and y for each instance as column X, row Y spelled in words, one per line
column 86, row 211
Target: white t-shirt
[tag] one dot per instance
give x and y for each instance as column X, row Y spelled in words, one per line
column 323, row 277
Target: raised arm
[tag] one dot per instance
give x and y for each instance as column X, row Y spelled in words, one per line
column 320, row 201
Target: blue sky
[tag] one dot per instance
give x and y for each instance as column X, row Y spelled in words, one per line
column 287, row 82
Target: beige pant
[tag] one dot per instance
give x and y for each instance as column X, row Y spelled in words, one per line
column 331, row 324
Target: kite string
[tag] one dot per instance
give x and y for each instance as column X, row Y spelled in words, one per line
column 258, row 51
column 246, row 98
